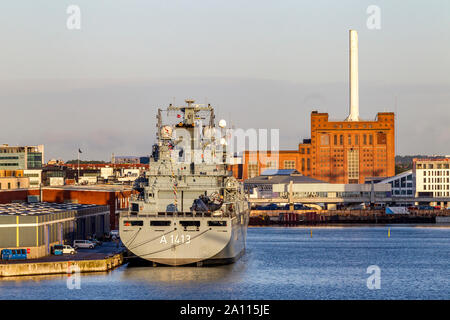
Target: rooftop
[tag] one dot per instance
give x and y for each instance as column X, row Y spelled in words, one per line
column 279, row 172
column 41, row 208
column 430, row 159
column 95, row 187
column 282, row 179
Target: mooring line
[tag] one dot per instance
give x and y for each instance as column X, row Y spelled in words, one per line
column 147, row 241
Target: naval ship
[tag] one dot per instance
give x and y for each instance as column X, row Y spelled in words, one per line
column 187, row 208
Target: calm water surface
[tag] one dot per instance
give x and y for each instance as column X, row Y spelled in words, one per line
column 280, row 263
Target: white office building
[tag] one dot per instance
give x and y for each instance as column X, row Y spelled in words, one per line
column 432, row 177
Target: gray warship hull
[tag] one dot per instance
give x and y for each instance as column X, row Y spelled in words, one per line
column 174, row 245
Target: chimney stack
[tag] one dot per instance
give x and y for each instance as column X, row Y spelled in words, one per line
column 354, row 91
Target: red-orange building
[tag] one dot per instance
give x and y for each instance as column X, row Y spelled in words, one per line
column 338, row 151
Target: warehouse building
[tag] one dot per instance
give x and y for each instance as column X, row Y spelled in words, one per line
column 116, row 197
column 38, row 226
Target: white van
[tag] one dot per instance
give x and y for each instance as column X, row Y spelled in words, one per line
column 68, row 249
column 63, row 248
column 83, row 244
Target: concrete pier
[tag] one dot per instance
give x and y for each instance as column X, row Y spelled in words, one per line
column 60, row 267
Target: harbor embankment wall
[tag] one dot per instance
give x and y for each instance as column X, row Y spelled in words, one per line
column 29, row 268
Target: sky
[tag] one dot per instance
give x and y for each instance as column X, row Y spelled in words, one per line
column 262, row 64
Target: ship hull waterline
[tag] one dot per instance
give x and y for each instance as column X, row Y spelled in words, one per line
column 177, row 246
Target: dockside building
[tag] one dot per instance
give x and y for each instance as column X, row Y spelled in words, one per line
column 36, row 227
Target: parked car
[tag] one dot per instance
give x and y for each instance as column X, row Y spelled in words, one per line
column 271, row 206
column 300, row 206
column 68, row 249
column 114, row 234
column 426, row 208
column 59, row 249
column 83, row 244
column 297, row 206
column 96, row 241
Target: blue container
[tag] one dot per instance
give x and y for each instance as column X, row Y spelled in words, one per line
column 14, row 254
column 57, row 249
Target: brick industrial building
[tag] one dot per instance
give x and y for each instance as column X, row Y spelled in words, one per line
column 339, row 151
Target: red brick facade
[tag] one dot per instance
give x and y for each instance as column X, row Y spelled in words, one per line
column 338, row 152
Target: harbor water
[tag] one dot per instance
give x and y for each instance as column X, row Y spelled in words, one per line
column 280, row 263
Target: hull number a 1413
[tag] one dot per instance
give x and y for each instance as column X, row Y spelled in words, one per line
column 176, row 239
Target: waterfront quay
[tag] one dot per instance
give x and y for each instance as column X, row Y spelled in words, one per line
column 314, row 217
column 102, row 258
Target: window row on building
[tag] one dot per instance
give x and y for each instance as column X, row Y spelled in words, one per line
column 353, row 139
column 436, row 173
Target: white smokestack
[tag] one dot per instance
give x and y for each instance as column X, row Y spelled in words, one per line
column 354, row 91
